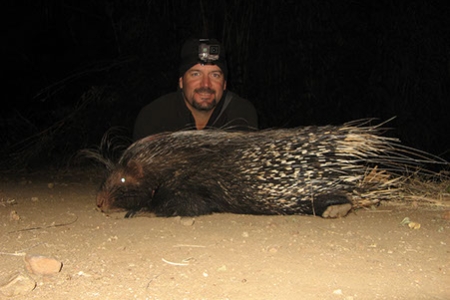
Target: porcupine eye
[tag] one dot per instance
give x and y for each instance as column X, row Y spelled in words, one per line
column 122, row 179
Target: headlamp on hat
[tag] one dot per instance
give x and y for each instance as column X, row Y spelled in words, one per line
column 202, row 51
column 208, row 52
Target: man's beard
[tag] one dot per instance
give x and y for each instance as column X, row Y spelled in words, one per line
column 204, row 106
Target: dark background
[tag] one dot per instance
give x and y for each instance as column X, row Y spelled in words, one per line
column 75, row 68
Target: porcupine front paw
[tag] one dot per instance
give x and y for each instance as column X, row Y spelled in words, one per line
column 332, row 206
column 337, row 211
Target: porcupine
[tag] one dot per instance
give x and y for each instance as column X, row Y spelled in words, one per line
column 314, row 170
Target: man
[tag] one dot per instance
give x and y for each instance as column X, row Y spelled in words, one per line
column 202, row 100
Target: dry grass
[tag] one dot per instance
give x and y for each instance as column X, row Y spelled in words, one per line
column 417, row 192
column 413, row 190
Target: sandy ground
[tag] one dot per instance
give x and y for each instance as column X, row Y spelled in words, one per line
column 367, row 255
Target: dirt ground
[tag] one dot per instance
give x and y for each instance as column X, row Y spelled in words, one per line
column 369, row 254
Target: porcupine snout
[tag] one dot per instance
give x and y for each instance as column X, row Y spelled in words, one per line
column 109, row 191
column 103, row 201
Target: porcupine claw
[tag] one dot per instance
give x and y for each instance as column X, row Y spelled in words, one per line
column 337, row 211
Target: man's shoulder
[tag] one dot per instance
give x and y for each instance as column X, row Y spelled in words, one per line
column 237, row 100
column 164, row 103
column 167, row 99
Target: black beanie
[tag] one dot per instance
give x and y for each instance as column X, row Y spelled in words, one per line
column 189, row 56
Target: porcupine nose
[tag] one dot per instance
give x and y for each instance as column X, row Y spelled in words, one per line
column 101, row 201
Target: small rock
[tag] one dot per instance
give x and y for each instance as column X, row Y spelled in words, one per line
column 273, row 249
column 222, row 268
column 187, row 221
column 414, row 225
column 446, row 215
column 51, row 185
column 11, row 201
column 42, row 265
column 337, row 292
column 17, row 285
column 14, row 216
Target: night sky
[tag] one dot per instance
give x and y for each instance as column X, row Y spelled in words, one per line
column 74, row 68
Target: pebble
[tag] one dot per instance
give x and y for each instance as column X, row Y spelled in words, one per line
column 42, row 265
column 187, row 221
column 17, row 285
column 446, row 215
column 14, row 216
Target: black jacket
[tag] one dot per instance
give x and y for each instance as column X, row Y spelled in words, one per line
column 169, row 113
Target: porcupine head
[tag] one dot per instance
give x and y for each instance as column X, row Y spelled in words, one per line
column 124, row 190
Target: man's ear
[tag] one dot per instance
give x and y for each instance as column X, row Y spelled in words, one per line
column 180, row 82
column 225, row 85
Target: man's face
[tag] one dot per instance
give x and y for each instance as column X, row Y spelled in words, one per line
column 203, row 86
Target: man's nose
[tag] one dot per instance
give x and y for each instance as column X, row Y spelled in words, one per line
column 206, row 82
